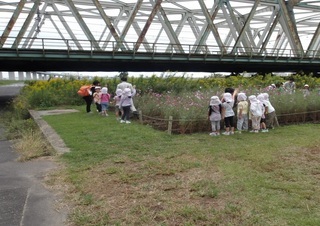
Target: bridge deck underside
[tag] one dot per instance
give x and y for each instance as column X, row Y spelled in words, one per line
column 158, row 35
column 57, row 60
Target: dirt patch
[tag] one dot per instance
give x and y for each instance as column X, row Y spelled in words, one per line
column 57, row 111
column 133, row 190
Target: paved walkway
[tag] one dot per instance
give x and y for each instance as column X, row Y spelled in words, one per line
column 24, row 200
column 9, row 91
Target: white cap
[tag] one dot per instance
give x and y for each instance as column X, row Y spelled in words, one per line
column 227, row 97
column 242, row 96
column 261, row 97
column 253, row 99
column 104, row 90
column 119, row 92
column 214, row 100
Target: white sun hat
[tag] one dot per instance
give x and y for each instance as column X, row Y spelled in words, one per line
column 227, row 97
column 104, row 90
column 241, row 96
column 214, row 100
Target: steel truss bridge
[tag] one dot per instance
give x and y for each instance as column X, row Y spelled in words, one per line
column 160, row 35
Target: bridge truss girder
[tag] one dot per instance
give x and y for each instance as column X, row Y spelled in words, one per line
column 236, row 27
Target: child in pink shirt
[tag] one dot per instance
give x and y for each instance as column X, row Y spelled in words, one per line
column 104, row 101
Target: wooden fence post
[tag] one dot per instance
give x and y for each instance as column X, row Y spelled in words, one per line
column 140, row 117
column 276, row 121
column 170, row 125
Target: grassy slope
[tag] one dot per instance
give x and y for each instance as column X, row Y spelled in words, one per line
column 133, row 175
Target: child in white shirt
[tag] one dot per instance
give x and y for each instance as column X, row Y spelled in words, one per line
column 227, row 112
column 125, row 104
column 263, row 126
column 214, row 115
column 255, row 113
column 270, row 112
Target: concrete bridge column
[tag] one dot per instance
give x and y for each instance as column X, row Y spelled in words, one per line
column 21, row 75
column 28, row 75
column 1, row 77
column 12, row 75
column 34, row 75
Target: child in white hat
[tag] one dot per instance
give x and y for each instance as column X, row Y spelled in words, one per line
column 306, row 90
column 270, row 112
column 242, row 112
column 227, row 112
column 214, row 115
column 263, row 125
column 104, row 101
column 255, row 113
column 97, row 98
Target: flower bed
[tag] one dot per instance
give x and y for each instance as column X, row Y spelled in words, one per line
column 185, row 99
column 189, row 109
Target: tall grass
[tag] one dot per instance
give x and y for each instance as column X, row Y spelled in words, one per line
column 58, row 91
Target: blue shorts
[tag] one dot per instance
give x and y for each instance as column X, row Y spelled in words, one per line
column 104, row 106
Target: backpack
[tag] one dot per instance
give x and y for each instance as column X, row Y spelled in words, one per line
column 84, row 90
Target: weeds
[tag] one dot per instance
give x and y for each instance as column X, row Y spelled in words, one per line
column 32, row 145
column 25, row 135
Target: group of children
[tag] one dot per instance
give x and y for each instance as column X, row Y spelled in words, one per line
column 256, row 109
column 122, row 99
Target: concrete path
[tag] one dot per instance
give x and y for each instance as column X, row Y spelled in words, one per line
column 24, row 200
column 7, row 92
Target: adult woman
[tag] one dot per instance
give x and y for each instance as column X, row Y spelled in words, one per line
column 88, row 99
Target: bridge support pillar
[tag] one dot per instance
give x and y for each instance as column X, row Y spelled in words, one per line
column 28, row 75
column 21, row 75
column 1, row 77
column 34, row 75
column 11, row 75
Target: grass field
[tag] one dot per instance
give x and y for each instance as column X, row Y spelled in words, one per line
column 131, row 174
column 8, row 82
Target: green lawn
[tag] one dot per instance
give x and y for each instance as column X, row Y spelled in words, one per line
column 131, row 174
column 9, row 82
